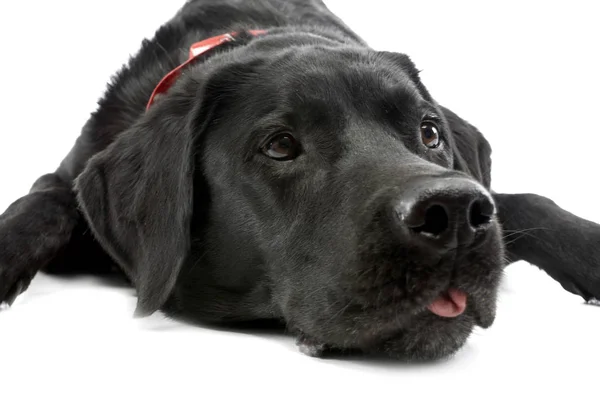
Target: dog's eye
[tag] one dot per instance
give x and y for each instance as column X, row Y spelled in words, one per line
column 281, row 147
column 430, row 134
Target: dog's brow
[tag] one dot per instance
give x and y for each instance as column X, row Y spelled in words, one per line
column 406, row 92
column 400, row 101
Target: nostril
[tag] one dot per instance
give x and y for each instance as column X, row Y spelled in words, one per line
column 481, row 213
column 435, row 222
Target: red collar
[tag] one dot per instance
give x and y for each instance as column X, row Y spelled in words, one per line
column 196, row 50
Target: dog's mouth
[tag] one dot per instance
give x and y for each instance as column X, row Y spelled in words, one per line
column 427, row 332
column 432, row 327
column 449, row 304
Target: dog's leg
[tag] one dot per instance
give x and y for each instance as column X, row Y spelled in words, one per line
column 565, row 246
column 32, row 232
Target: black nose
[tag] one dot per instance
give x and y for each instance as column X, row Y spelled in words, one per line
column 445, row 211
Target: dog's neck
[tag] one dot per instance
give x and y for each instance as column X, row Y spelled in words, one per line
column 198, row 50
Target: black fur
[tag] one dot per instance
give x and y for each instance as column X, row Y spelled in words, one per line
column 209, row 229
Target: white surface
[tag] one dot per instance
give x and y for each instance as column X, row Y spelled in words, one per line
column 525, row 73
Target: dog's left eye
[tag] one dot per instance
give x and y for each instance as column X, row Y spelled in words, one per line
column 430, row 134
column 282, row 147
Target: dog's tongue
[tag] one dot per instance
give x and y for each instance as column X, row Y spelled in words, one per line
column 449, row 304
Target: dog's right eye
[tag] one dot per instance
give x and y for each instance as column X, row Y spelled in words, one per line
column 282, row 147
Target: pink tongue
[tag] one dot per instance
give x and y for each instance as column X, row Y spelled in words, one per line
column 450, row 304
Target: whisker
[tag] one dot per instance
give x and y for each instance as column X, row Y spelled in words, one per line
column 521, row 233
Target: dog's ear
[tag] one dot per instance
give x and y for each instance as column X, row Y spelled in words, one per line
column 472, row 152
column 137, row 198
column 406, row 65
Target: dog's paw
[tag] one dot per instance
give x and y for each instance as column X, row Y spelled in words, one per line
column 12, row 285
column 581, row 280
column 593, row 302
column 310, row 347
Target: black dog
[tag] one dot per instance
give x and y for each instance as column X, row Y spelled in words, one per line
column 289, row 172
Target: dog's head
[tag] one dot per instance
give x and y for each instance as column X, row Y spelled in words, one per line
column 301, row 179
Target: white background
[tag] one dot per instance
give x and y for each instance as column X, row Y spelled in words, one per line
column 525, row 73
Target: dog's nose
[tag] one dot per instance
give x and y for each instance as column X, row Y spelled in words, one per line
column 445, row 211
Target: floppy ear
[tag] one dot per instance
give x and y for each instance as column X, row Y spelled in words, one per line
column 472, row 151
column 137, row 197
